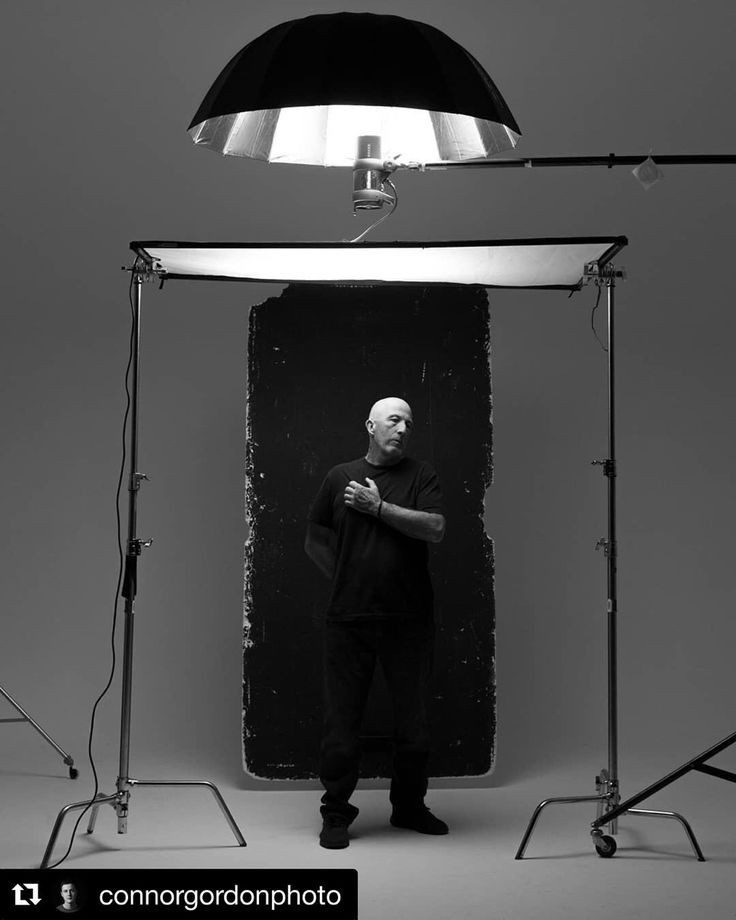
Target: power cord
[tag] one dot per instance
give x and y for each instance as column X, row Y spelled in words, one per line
column 592, row 319
column 380, row 219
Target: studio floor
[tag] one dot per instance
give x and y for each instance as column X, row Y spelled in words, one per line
column 471, row 873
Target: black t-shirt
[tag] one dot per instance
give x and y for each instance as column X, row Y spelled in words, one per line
column 379, row 572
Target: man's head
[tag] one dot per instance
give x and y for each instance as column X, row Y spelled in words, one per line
column 389, row 427
column 69, row 894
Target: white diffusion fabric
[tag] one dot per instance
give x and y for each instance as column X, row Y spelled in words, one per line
column 514, row 265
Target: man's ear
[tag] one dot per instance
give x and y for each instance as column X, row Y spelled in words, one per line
column 370, row 425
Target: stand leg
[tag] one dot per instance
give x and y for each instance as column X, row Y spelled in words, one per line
column 207, row 785
column 538, row 811
column 68, row 760
column 672, row 814
column 95, row 809
column 75, row 806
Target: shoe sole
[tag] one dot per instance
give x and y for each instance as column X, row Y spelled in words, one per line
column 409, row 827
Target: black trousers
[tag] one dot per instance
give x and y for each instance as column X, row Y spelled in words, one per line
column 404, row 648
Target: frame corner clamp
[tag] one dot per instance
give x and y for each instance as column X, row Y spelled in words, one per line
column 602, row 274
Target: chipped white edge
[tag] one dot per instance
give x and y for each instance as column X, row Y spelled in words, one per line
column 490, row 546
column 247, row 560
column 247, row 595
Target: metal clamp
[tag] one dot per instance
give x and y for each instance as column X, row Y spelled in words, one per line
column 136, row 547
column 607, row 786
column 135, row 482
column 122, row 807
column 602, row 274
column 146, row 271
column 609, row 467
column 608, row 546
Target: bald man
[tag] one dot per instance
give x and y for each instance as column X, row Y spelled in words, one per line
column 368, row 531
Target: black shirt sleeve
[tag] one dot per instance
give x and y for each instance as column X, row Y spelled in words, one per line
column 429, row 494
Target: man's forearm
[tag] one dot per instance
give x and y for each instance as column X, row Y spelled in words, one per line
column 422, row 525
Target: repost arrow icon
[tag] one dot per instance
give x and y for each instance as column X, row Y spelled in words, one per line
column 21, row 901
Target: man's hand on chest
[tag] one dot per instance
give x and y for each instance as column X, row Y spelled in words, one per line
column 363, row 498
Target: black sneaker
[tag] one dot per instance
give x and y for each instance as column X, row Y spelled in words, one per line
column 334, row 833
column 422, row 820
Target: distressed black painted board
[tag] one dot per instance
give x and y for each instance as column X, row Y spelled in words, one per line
column 318, row 357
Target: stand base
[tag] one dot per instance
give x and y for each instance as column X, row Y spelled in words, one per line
column 605, row 845
column 120, row 802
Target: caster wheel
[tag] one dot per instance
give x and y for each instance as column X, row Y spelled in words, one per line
column 605, row 846
column 73, row 773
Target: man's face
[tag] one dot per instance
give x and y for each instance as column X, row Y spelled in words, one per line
column 68, row 894
column 390, row 426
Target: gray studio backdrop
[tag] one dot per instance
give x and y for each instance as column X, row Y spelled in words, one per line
column 96, row 99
